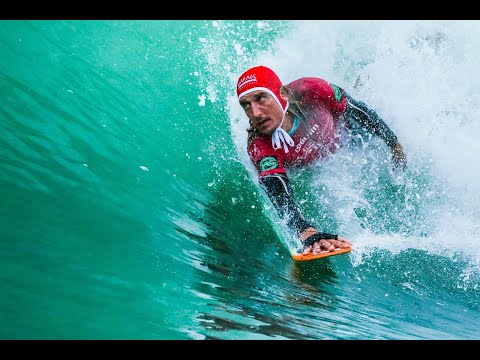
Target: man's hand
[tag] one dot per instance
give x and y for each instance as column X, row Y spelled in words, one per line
column 323, row 244
column 399, row 158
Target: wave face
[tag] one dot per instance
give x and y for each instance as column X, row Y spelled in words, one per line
column 130, row 209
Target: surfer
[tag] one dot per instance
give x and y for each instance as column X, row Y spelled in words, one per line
column 297, row 124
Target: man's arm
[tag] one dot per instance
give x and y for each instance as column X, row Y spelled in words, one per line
column 279, row 190
column 374, row 124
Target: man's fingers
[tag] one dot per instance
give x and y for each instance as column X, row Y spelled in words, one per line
column 328, row 245
column 307, row 250
column 344, row 241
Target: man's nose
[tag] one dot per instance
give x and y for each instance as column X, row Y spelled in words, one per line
column 256, row 110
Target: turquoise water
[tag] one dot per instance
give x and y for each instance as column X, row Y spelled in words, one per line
column 130, row 210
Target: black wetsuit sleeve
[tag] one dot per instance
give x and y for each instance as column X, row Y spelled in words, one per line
column 278, row 189
column 369, row 120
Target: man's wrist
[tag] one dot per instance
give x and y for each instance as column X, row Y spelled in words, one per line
column 317, row 237
column 307, row 233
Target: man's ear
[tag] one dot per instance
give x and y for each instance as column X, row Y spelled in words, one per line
column 284, row 93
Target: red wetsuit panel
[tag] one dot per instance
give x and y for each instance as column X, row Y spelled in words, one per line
column 310, row 91
column 322, row 103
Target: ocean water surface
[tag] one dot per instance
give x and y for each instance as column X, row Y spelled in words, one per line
column 129, row 208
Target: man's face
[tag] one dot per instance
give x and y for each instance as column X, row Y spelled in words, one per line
column 263, row 111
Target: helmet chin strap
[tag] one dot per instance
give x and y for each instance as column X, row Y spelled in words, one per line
column 280, row 137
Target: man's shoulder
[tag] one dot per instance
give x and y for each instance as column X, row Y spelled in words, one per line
column 306, row 83
column 308, row 80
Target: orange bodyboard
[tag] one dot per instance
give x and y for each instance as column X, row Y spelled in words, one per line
column 322, row 254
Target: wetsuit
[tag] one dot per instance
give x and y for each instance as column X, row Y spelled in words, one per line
column 321, row 109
